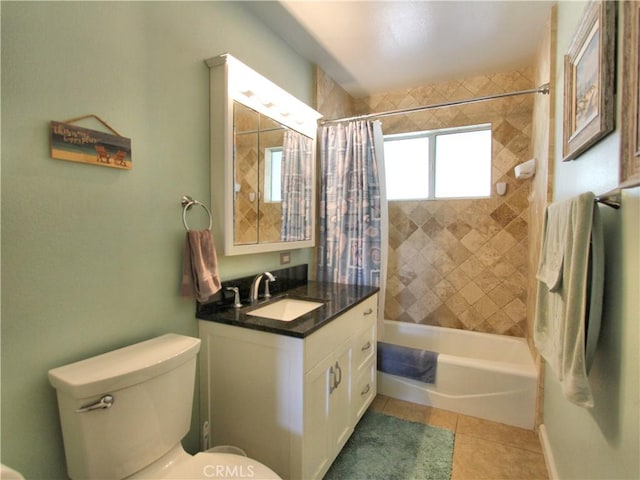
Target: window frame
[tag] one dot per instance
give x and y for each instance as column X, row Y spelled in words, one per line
column 269, row 191
column 431, row 157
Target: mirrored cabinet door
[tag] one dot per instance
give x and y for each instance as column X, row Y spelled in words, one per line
column 270, row 143
column 246, row 147
column 262, row 161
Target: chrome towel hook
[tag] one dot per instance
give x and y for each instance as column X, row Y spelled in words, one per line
column 187, row 202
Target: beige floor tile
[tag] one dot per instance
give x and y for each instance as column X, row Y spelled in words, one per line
column 483, row 450
column 441, row 418
column 379, row 402
column 498, row 432
column 414, row 412
column 480, row 459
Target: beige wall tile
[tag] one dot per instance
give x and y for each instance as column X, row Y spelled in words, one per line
column 457, row 257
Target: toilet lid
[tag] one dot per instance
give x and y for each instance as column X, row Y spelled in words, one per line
column 220, row 466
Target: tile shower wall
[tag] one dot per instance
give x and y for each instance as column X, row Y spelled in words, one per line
column 543, row 146
column 460, row 263
column 331, row 100
column 463, row 263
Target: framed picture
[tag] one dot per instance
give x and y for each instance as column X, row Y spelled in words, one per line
column 589, row 80
column 630, row 128
column 78, row 144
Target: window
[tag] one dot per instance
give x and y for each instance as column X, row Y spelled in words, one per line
column 452, row 163
column 273, row 174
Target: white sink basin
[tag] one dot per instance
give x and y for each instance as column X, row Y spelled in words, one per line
column 286, row 309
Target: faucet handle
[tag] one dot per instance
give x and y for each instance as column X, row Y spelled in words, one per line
column 236, row 296
column 270, row 278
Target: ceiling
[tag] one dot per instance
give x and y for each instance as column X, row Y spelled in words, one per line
column 376, row 46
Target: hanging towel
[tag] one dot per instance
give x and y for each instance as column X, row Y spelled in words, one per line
column 200, row 278
column 570, row 288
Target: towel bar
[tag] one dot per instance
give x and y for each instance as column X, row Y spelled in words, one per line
column 611, row 199
column 188, row 202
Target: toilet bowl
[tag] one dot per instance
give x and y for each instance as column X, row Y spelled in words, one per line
column 178, row 464
column 8, row 473
column 125, row 412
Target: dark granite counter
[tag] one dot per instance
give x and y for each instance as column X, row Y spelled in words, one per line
column 337, row 298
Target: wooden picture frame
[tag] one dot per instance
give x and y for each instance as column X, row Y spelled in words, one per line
column 589, row 80
column 630, row 128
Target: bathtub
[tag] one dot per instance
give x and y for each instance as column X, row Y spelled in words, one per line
column 479, row 374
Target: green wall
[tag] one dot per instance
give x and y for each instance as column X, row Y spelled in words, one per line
column 601, row 442
column 91, row 256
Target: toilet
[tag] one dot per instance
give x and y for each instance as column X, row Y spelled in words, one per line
column 125, row 412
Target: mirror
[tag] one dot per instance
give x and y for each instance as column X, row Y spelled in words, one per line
column 262, row 161
column 273, row 180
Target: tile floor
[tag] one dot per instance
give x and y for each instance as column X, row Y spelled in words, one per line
column 483, row 450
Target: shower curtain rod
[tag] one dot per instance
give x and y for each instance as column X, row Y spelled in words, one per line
column 543, row 89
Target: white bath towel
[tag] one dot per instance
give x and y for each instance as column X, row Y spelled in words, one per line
column 570, row 287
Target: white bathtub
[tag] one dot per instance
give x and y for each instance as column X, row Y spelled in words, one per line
column 479, row 374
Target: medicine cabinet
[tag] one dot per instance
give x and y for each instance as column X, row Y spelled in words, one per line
column 262, row 161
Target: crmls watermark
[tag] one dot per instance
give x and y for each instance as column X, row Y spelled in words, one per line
column 228, row 471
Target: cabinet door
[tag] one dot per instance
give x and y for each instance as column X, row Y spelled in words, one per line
column 340, row 399
column 327, row 414
column 316, row 436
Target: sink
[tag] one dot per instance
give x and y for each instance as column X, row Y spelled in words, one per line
column 285, row 309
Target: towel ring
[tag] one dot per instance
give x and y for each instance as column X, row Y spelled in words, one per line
column 187, row 203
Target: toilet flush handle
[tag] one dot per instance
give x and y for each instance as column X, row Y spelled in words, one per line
column 104, row 402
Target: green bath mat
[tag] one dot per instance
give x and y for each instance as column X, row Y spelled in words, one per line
column 387, row 448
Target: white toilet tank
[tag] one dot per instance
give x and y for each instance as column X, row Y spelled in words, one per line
column 149, row 387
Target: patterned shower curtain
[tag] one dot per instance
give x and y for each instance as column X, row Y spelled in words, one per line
column 297, row 187
column 352, row 204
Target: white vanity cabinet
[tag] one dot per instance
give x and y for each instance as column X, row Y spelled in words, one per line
column 290, row 403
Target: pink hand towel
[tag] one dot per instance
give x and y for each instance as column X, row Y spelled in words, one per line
column 200, row 276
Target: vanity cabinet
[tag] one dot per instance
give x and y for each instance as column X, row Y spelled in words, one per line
column 290, row 403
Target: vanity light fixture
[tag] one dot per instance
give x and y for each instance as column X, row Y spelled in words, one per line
column 262, row 95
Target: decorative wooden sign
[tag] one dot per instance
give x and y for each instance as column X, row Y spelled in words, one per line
column 78, row 144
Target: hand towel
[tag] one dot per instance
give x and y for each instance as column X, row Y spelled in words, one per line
column 200, row 278
column 569, row 295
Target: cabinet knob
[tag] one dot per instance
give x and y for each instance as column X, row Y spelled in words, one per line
column 366, row 346
column 366, row 390
column 368, row 311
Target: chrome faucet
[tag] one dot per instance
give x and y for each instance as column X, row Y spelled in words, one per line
column 255, row 286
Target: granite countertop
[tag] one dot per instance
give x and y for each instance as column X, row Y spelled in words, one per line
column 337, row 299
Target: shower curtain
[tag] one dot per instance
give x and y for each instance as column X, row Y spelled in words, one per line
column 353, row 211
column 296, row 186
